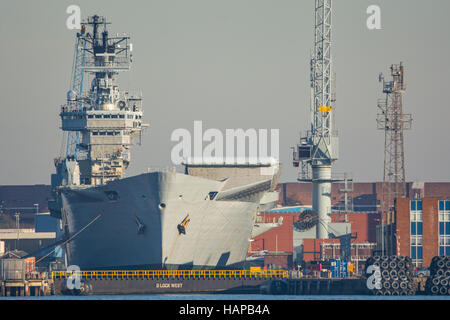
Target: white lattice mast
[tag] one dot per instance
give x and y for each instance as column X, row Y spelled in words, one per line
column 73, row 137
column 319, row 148
column 393, row 122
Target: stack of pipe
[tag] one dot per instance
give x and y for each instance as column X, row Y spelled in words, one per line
column 395, row 275
column 439, row 281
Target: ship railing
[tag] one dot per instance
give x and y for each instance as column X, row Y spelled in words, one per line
column 310, row 134
column 134, row 95
column 161, row 169
column 170, row 274
column 119, row 63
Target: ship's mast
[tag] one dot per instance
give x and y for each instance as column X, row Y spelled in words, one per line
column 77, row 82
column 319, row 147
column 102, row 121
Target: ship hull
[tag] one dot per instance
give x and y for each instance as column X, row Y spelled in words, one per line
column 134, row 223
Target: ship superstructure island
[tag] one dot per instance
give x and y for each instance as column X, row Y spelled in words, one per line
column 161, row 219
column 101, row 124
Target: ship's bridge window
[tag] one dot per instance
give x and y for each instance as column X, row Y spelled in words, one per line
column 102, row 133
column 98, row 116
column 114, row 116
column 106, row 116
column 121, row 116
column 110, row 133
column 90, row 116
column 95, row 133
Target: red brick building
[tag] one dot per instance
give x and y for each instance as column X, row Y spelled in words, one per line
column 421, row 240
column 280, row 240
column 422, row 228
column 366, row 195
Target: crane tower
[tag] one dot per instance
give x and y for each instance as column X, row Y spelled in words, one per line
column 318, row 148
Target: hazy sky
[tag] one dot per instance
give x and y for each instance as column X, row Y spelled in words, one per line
column 231, row 64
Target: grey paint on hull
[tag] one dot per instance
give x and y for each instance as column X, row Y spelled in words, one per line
column 139, row 219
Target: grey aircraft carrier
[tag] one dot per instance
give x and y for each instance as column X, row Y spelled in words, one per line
column 162, row 219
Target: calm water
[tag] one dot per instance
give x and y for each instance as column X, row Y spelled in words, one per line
column 255, row 297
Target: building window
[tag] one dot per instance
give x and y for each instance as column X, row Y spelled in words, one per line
column 444, row 228
column 416, row 228
column 416, row 240
column 442, row 240
column 416, row 205
column 416, row 253
column 416, row 237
